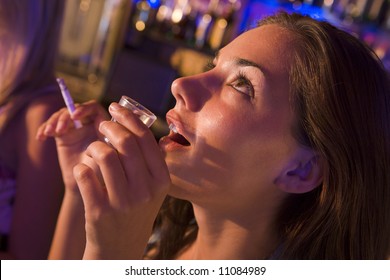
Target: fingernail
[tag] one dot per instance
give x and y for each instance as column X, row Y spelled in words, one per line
column 60, row 127
column 114, row 106
column 101, row 125
column 48, row 129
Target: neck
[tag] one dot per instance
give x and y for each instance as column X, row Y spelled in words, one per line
column 251, row 236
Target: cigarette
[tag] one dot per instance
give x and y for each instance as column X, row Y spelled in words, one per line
column 68, row 100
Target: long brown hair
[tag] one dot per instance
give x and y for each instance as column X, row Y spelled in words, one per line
column 340, row 93
column 29, row 36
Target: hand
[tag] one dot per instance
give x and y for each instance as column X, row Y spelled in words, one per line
column 72, row 142
column 120, row 208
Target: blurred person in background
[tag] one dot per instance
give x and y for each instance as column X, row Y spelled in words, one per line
column 31, row 186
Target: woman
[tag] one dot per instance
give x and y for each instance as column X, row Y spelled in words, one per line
column 31, row 186
column 281, row 149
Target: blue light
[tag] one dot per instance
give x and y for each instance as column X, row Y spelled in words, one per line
column 154, row 3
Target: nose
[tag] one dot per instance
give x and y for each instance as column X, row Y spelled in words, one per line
column 191, row 92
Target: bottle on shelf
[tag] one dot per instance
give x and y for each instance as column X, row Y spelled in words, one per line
column 222, row 29
column 142, row 18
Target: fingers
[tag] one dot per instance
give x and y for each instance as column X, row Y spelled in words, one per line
column 121, row 139
column 90, row 110
column 134, row 182
column 113, row 230
column 62, row 121
column 92, row 192
column 112, row 172
column 49, row 128
column 132, row 167
column 124, row 186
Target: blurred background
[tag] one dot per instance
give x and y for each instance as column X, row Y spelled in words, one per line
column 111, row 48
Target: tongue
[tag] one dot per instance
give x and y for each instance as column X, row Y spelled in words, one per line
column 180, row 139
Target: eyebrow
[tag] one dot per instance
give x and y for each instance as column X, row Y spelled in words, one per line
column 243, row 62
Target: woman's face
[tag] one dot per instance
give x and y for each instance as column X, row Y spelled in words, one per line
column 236, row 119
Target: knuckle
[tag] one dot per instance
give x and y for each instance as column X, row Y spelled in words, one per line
column 63, row 111
column 106, row 155
column 101, row 152
column 81, row 172
column 126, row 140
column 96, row 215
column 143, row 132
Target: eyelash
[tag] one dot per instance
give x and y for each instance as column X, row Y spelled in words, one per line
column 240, row 77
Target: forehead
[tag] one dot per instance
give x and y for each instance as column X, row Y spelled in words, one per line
column 270, row 46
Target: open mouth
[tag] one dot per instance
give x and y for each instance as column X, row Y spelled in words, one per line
column 177, row 137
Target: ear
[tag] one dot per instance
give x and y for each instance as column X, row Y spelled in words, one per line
column 304, row 175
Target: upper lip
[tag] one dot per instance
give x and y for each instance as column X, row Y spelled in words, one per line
column 173, row 118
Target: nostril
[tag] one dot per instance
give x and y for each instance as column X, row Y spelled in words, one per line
column 191, row 92
column 177, row 90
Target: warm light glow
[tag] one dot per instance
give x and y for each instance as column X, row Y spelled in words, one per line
column 163, row 13
column 177, row 15
column 380, row 52
column 140, row 25
column 206, row 18
column 222, row 23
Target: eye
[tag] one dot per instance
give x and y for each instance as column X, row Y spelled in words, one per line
column 243, row 85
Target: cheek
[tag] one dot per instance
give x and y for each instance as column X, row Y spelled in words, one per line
column 225, row 128
column 218, row 127
column 251, row 146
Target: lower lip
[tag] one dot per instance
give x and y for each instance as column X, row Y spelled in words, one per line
column 166, row 144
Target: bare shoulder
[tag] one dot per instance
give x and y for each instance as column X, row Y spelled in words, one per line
column 37, row 112
column 43, row 107
column 49, row 103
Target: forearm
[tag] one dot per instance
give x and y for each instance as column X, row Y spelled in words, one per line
column 69, row 237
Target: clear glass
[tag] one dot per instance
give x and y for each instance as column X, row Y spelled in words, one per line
column 143, row 113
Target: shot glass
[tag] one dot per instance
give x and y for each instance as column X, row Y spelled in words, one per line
column 144, row 114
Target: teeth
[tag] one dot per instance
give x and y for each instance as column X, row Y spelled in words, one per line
column 173, row 128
